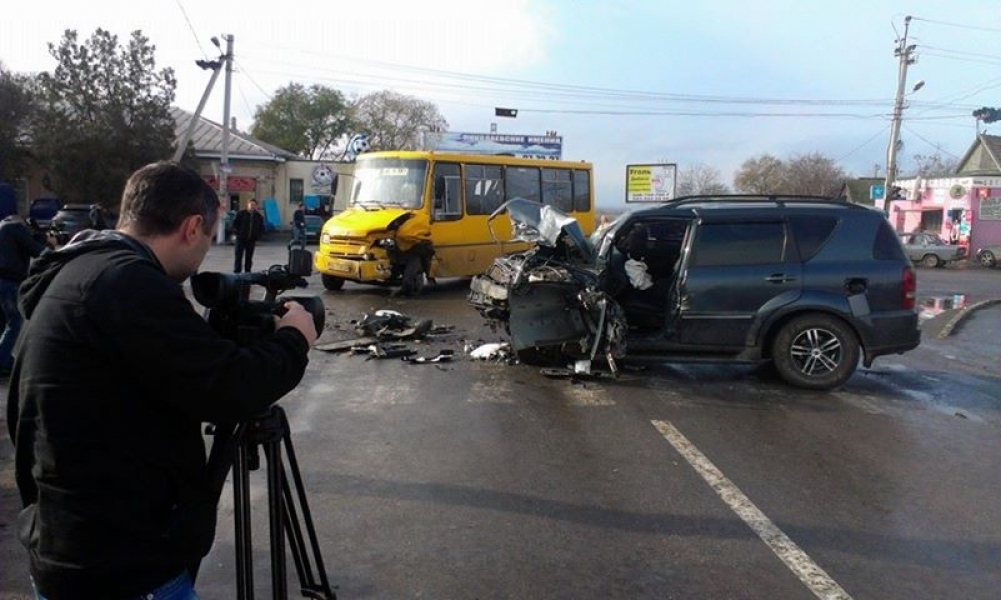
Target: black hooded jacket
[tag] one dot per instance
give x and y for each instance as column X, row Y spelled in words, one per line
column 117, row 373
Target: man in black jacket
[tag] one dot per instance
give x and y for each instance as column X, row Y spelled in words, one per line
column 298, row 227
column 113, row 379
column 17, row 248
column 248, row 227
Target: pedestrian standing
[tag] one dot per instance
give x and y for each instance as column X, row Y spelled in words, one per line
column 248, row 226
column 96, row 218
column 17, row 248
column 298, row 227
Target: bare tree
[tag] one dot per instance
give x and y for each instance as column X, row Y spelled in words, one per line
column 934, row 165
column 762, row 175
column 700, row 178
column 813, row 174
column 394, row 121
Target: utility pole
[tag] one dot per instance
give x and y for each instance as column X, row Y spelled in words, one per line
column 224, row 167
column 903, row 52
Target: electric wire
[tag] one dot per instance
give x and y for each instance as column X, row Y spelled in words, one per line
column 959, row 25
column 184, row 13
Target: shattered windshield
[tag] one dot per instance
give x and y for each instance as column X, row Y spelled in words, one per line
column 384, row 182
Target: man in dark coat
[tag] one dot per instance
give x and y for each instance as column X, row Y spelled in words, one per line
column 298, row 227
column 248, row 227
column 17, row 247
column 112, row 381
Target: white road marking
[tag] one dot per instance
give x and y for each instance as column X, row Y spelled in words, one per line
column 809, row 572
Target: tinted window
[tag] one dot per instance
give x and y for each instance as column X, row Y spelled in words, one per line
column 887, row 245
column 484, row 189
column 581, row 191
column 522, row 182
column 811, row 233
column 739, row 244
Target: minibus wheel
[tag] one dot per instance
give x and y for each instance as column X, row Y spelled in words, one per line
column 332, row 282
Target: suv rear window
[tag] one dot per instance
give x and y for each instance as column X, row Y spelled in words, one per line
column 887, row 245
column 811, row 233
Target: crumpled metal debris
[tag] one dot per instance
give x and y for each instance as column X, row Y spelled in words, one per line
column 392, row 325
column 381, row 350
column 491, row 351
column 442, row 356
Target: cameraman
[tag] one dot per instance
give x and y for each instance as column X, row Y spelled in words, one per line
column 114, row 376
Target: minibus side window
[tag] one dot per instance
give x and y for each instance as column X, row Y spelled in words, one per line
column 447, row 192
column 484, row 189
column 522, row 182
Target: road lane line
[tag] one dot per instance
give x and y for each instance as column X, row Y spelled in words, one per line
column 809, row 572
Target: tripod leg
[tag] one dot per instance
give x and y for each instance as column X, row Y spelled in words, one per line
column 241, row 515
column 307, row 582
column 276, row 511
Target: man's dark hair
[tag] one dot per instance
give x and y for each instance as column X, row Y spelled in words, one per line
column 159, row 196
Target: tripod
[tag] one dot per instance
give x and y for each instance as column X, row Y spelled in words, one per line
column 270, row 430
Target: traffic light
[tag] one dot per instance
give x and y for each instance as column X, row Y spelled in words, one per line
column 987, row 115
column 896, row 193
column 506, row 112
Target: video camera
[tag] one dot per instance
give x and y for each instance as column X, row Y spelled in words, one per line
column 235, row 316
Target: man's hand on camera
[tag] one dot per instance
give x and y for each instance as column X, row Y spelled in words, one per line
column 298, row 317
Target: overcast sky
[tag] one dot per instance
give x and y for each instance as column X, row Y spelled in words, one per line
column 713, row 82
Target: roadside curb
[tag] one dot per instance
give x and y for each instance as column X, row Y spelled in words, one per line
column 962, row 314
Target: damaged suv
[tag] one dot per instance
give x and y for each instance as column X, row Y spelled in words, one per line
column 808, row 284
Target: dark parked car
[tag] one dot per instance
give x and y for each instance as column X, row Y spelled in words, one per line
column 314, row 224
column 807, row 284
column 930, row 250
column 42, row 210
column 73, row 218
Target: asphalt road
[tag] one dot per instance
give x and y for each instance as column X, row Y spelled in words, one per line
column 481, row 479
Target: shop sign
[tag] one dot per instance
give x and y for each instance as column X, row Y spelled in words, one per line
column 234, row 183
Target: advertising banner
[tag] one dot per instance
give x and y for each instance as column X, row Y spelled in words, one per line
column 501, row 144
column 650, row 183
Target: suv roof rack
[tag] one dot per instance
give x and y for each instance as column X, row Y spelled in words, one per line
column 778, row 199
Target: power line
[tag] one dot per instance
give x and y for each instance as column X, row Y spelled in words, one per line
column 959, row 25
column 577, row 90
column 937, row 147
column 863, row 144
column 192, row 28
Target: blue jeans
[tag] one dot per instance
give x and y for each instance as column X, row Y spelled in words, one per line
column 8, row 304
column 178, row 588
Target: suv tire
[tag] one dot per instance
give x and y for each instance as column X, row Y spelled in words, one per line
column 816, row 351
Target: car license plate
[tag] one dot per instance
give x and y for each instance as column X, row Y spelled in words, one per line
column 341, row 266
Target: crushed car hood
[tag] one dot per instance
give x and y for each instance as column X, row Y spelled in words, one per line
column 546, row 226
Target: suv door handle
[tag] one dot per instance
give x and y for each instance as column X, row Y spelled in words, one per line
column 780, row 278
